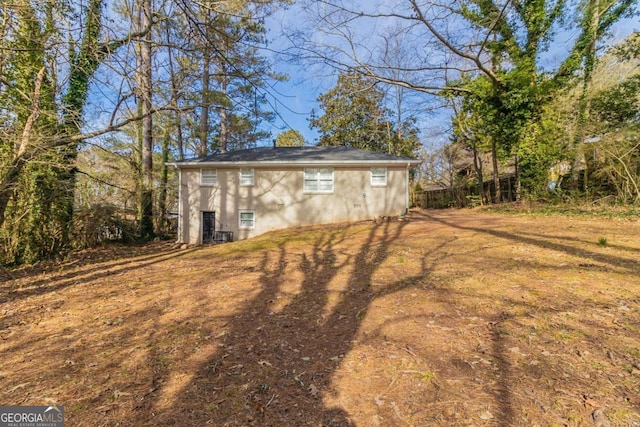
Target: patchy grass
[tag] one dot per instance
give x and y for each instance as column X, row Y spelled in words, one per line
column 580, row 208
column 447, row 318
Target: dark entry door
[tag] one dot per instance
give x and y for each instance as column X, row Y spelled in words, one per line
column 208, row 226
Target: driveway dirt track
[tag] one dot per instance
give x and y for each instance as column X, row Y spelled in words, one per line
column 446, row 318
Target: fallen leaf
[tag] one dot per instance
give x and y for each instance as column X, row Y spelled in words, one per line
column 313, row 391
column 600, row 419
column 486, row 415
column 23, row 385
column 378, row 400
column 590, row 402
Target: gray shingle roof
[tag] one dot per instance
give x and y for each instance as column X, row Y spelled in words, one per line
column 306, row 155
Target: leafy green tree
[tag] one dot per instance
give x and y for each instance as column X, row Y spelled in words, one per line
column 54, row 54
column 48, row 67
column 600, row 163
column 227, row 72
column 355, row 116
column 290, row 138
column 497, row 62
column 468, row 132
column 614, row 123
column 38, row 152
column 618, row 106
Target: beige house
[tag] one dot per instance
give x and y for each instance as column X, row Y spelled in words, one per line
column 241, row 194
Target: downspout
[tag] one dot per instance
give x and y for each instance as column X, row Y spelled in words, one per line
column 406, row 198
column 180, row 219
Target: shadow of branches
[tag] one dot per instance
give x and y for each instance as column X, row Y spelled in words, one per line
column 275, row 359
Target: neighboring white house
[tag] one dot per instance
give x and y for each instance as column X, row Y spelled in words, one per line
column 249, row 192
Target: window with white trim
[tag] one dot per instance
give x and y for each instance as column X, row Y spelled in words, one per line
column 246, row 176
column 379, row 176
column 208, row 176
column 247, row 219
column 318, row 180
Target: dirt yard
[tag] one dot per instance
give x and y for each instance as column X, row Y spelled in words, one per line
column 448, row 318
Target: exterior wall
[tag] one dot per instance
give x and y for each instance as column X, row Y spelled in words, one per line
column 278, row 200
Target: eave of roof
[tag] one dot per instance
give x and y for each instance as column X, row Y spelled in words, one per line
column 296, row 156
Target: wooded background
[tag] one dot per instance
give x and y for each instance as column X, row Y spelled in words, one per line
column 97, row 96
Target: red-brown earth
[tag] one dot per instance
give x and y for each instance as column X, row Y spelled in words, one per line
column 444, row 318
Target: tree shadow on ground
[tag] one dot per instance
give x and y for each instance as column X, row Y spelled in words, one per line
column 502, row 346
column 57, row 282
column 542, row 242
column 75, row 259
column 275, row 361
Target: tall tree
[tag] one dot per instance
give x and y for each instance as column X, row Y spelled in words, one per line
column 42, row 160
column 242, row 73
column 232, row 72
column 496, row 60
column 353, row 115
column 145, row 96
column 84, row 63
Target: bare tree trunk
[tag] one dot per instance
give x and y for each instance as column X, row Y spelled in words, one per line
column 497, row 194
column 4, row 25
column 224, row 115
column 174, row 98
column 517, row 172
column 7, row 187
column 477, row 165
column 203, row 133
column 146, row 165
column 164, row 178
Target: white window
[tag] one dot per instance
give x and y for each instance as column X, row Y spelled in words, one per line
column 318, row 180
column 208, row 176
column 247, row 219
column 379, row 176
column 246, row 176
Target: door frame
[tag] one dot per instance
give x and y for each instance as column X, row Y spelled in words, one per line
column 203, row 228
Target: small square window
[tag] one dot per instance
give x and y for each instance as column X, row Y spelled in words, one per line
column 379, row 176
column 208, row 176
column 247, row 219
column 246, row 176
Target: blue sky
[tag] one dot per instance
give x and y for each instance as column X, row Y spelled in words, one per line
column 294, row 99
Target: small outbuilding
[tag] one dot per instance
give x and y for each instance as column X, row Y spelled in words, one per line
column 241, row 194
